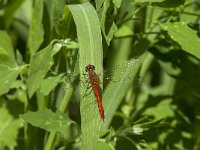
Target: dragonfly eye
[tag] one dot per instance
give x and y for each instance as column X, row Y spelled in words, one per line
column 92, row 67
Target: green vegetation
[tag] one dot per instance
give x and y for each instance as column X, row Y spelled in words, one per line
column 152, row 50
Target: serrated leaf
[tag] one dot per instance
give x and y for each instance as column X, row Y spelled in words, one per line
column 8, row 129
column 48, row 120
column 39, row 66
column 163, row 106
column 8, row 67
column 184, row 36
column 7, row 77
column 50, row 83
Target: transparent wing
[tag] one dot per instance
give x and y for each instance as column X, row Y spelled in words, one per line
column 117, row 74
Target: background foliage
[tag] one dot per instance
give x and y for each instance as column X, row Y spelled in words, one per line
column 152, row 100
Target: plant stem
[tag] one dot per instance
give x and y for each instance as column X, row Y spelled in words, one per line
column 63, row 106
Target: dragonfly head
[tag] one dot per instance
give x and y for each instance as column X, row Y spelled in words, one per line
column 89, row 68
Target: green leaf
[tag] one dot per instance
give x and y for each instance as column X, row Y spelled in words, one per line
column 7, row 77
column 169, row 3
column 36, row 31
column 39, row 66
column 10, row 11
column 49, row 84
column 8, row 129
column 8, row 67
column 105, row 145
column 184, row 36
column 48, row 120
column 111, row 32
column 123, row 31
column 107, row 33
column 102, row 14
column 58, row 9
column 62, row 18
column 99, row 4
column 163, row 3
column 117, row 3
column 115, row 91
column 90, row 52
column 7, row 56
column 150, row 1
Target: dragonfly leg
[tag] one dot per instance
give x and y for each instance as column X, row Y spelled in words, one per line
column 89, row 86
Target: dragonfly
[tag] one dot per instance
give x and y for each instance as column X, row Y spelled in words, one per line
column 94, row 81
column 116, row 75
column 119, row 75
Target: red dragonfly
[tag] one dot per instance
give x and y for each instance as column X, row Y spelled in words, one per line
column 94, row 81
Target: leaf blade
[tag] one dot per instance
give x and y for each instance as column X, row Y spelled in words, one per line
column 47, row 120
column 39, row 66
column 8, row 128
column 114, row 92
column 36, row 30
column 184, row 36
column 90, row 52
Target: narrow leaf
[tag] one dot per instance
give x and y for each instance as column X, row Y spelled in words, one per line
column 7, row 55
column 36, row 31
column 115, row 91
column 90, row 52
